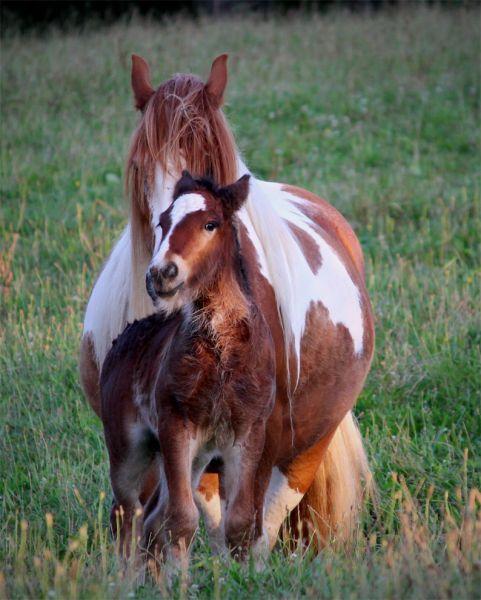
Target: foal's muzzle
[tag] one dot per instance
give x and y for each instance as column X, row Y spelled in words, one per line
column 157, row 281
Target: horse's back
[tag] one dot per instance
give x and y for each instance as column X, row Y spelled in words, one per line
column 329, row 218
column 330, row 312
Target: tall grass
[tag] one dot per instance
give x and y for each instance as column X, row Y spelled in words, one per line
column 379, row 114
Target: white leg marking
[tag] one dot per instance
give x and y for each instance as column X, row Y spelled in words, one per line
column 279, row 502
column 213, row 512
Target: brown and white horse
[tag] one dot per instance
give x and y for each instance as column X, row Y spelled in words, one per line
column 306, row 270
column 199, row 384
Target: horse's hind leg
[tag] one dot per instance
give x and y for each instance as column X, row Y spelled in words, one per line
column 210, row 499
column 287, row 487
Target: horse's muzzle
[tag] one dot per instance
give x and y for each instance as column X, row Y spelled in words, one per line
column 156, row 280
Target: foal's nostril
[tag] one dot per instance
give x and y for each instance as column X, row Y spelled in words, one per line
column 149, row 283
column 170, row 271
column 155, row 276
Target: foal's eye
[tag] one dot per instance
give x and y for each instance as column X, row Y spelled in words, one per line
column 211, row 226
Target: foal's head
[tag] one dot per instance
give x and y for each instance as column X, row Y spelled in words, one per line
column 195, row 240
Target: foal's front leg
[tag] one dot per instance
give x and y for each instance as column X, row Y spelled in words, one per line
column 241, row 464
column 170, row 528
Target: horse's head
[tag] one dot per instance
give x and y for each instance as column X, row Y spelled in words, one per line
column 182, row 126
column 194, row 239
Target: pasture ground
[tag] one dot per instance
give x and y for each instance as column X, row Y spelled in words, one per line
column 380, row 115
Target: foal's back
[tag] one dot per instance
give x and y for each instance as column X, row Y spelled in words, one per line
column 135, row 351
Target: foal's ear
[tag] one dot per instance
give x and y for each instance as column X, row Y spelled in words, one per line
column 141, row 85
column 233, row 196
column 185, row 184
column 217, row 81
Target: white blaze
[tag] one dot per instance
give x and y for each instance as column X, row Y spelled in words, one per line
column 184, row 205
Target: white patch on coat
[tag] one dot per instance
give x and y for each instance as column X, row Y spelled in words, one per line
column 232, row 457
column 109, row 308
column 331, row 285
column 161, row 198
column 213, row 513
column 280, row 500
column 270, row 209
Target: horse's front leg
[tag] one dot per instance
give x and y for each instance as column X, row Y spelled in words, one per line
column 171, row 526
column 243, row 525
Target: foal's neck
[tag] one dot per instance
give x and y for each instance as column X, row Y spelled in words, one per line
column 226, row 304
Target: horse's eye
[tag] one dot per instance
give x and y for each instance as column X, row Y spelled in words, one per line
column 211, row 226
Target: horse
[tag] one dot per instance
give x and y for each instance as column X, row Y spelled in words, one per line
column 195, row 384
column 306, row 271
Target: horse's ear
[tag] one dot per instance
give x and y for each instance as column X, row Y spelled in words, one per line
column 233, row 196
column 185, row 184
column 217, row 81
column 141, row 85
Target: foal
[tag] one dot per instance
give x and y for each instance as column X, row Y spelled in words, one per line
column 182, row 389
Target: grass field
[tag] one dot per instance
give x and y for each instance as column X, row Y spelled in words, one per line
column 380, row 115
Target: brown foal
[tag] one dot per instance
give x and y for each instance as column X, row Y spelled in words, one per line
column 179, row 390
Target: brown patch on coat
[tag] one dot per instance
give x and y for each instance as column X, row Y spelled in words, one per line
column 333, row 222
column 302, row 470
column 332, row 376
column 308, row 247
column 89, row 373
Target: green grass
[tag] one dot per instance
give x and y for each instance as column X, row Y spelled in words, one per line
column 380, row 115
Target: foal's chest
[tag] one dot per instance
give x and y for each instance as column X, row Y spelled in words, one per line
column 205, row 384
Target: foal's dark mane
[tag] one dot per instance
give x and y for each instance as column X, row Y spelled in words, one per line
column 197, row 184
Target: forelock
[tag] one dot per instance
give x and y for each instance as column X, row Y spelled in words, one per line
column 191, row 185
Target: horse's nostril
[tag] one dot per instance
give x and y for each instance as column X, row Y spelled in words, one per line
column 170, row 271
column 153, row 274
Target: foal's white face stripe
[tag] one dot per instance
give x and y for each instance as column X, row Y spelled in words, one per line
column 184, row 205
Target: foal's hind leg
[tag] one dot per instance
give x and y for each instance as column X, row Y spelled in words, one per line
column 130, row 474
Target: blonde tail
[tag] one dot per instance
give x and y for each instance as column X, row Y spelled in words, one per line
column 330, row 510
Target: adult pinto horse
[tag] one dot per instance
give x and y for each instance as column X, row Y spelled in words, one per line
column 306, row 270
